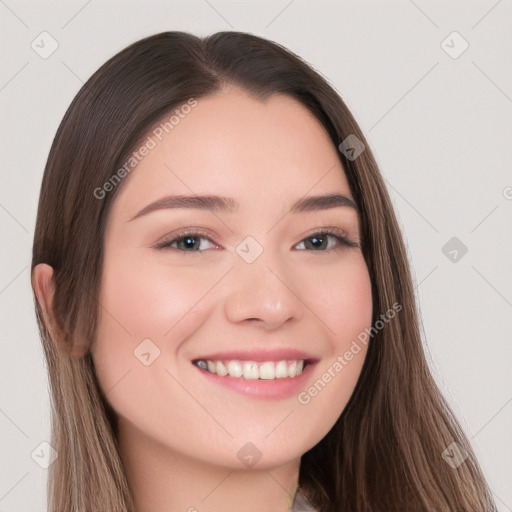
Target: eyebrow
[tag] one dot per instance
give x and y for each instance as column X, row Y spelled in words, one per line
column 230, row 205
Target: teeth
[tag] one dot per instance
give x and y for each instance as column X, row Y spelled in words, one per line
column 268, row 371
column 234, row 369
column 221, row 369
column 252, row 370
column 281, row 370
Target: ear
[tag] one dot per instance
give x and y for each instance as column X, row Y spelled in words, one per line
column 44, row 289
column 43, row 283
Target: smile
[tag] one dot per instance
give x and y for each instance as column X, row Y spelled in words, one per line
column 252, row 370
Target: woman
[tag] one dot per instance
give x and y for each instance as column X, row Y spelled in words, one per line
column 225, row 301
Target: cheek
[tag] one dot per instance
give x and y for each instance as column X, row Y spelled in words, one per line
column 152, row 298
column 147, row 310
column 144, row 300
column 341, row 297
column 342, row 300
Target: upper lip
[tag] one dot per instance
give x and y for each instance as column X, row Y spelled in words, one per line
column 260, row 355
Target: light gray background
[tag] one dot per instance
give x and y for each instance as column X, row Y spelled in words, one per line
column 440, row 129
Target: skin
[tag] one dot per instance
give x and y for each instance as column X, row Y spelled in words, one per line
column 179, row 434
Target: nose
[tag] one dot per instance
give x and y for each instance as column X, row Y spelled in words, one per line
column 263, row 293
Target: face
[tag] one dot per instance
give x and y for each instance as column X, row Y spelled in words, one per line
column 251, row 285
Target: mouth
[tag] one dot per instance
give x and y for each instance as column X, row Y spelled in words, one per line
column 254, row 370
column 260, row 373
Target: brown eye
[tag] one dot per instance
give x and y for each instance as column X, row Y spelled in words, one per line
column 186, row 242
column 319, row 241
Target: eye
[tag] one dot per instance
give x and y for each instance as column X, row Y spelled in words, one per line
column 319, row 240
column 189, row 241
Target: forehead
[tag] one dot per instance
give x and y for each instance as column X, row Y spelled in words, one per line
column 261, row 152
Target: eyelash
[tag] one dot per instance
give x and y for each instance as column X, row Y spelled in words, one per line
column 336, row 233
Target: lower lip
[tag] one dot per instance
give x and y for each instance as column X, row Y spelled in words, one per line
column 277, row 389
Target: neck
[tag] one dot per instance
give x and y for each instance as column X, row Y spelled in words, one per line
column 163, row 479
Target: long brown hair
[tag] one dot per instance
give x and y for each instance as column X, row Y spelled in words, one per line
column 385, row 450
